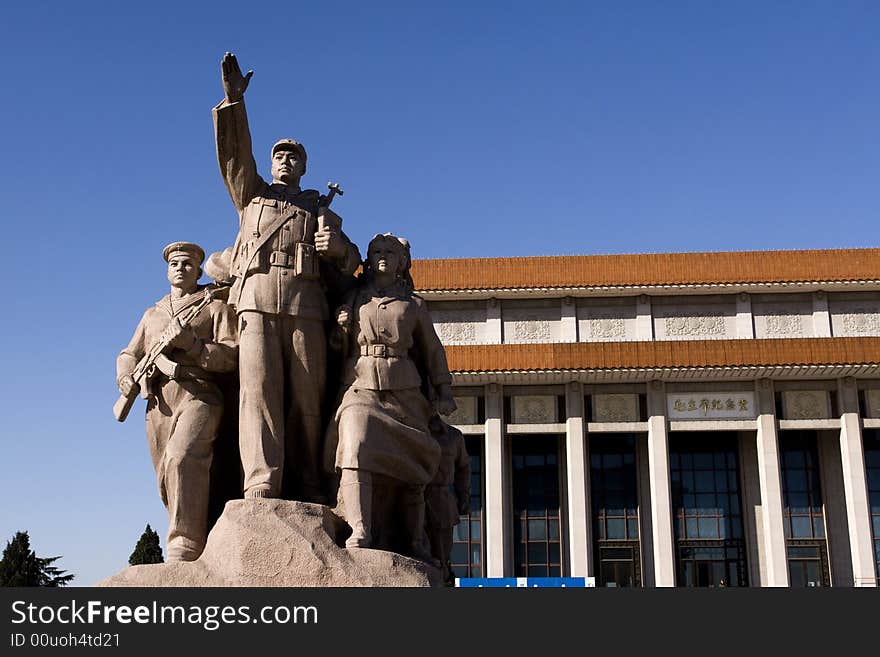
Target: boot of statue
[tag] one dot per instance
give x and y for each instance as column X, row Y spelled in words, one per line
column 414, row 521
column 357, row 496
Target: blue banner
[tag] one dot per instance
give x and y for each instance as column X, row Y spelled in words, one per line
column 524, row 582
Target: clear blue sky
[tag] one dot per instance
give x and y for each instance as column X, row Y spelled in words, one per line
column 473, row 128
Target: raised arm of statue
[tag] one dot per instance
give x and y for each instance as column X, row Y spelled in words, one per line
column 233, row 136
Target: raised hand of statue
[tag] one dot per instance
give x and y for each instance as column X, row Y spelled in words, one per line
column 234, row 83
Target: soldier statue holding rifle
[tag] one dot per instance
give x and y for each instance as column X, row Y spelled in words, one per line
column 181, row 345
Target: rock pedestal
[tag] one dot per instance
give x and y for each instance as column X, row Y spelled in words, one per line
column 281, row 543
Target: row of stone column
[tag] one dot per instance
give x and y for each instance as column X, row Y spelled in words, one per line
column 498, row 515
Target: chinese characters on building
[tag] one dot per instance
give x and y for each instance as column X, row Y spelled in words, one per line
column 711, row 405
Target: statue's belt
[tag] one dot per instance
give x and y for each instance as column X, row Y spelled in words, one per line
column 383, row 351
column 303, row 262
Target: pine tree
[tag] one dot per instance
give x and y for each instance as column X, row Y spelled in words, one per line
column 147, row 549
column 20, row 566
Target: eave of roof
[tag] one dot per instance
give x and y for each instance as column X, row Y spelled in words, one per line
column 657, row 355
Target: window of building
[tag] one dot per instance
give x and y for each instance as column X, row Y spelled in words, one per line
column 467, row 536
column 614, row 496
column 871, row 438
column 803, row 517
column 706, row 504
column 536, row 522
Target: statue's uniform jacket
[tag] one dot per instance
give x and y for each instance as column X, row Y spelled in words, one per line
column 183, row 414
column 281, row 305
column 398, row 321
column 382, row 421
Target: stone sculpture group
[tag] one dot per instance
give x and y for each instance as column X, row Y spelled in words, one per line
column 336, row 408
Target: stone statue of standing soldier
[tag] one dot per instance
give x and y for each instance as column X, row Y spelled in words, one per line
column 288, row 247
column 184, row 403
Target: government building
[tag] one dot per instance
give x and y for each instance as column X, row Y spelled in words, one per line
column 688, row 419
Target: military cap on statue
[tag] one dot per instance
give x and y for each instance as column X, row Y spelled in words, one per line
column 184, row 247
column 290, row 145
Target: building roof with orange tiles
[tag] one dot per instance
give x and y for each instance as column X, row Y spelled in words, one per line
column 654, row 269
column 845, row 268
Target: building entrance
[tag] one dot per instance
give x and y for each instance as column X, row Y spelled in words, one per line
column 614, row 495
column 704, row 475
column 536, row 528
column 803, row 514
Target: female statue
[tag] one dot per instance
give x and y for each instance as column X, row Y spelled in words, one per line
column 395, row 367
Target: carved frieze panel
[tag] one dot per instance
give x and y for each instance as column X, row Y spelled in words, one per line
column 779, row 318
column 861, row 323
column 694, row 322
column 711, row 406
column 855, row 319
column 457, row 333
column 604, row 328
column 694, row 325
column 532, row 323
column 466, row 411
column 806, row 405
column 783, row 325
column 531, row 330
column 613, row 323
column 616, row 408
column 534, row 409
column 459, row 326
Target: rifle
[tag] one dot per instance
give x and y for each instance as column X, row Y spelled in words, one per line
column 155, row 360
column 325, row 199
column 324, row 204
